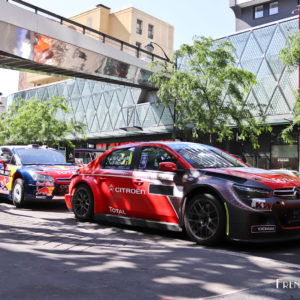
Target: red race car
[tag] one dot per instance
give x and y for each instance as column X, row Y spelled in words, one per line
column 176, row 185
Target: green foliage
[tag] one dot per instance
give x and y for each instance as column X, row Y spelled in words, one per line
column 287, row 133
column 290, row 53
column 32, row 121
column 208, row 92
column 290, row 56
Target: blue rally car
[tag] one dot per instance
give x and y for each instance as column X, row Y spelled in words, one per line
column 29, row 173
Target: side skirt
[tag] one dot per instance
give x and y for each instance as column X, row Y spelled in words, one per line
column 138, row 222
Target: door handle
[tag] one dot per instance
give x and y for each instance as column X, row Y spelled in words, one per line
column 138, row 182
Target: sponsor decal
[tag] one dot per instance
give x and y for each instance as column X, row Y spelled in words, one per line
column 44, row 183
column 4, row 172
column 4, row 181
column 260, row 204
column 124, row 190
column 263, row 228
column 116, row 211
column 45, row 191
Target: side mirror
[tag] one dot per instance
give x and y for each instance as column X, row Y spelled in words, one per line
column 168, row 167
column 3, row 163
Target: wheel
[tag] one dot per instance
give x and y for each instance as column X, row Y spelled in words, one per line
column 204, row 219
column 83, row 203
column 18, row 193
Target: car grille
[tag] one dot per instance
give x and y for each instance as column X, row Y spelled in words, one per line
column 291, row 193
column 61, row 190
column 289, row 217
column 63, row 179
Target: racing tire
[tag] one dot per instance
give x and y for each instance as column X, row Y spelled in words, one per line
column 204, row 219
column 83, row 203
column 18, row 193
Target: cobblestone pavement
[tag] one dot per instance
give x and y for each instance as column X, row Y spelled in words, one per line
column 46, row 254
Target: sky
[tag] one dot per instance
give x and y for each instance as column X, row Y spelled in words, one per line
column 210, row 18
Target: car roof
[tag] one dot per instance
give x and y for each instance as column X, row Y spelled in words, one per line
column 167, row 143
column 14, row 148
column 26, row 147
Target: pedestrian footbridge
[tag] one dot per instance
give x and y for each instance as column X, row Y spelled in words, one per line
column 33, row 39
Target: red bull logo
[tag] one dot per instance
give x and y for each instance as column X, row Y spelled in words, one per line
column 45, row 191
column 4, row 181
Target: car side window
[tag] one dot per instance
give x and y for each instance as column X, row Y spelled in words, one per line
column 119, row 159
column 151, row 157
column 7, row 156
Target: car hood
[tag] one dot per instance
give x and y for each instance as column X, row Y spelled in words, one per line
column 56, row 171
column 272, row 179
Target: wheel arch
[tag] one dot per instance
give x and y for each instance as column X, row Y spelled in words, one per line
column 198, row 189
column 91, row 184
column 15, row 176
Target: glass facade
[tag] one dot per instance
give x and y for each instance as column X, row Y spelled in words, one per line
column 108, row 110
column 257, row 51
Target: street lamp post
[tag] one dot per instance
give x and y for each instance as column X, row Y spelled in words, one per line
column 150, row 48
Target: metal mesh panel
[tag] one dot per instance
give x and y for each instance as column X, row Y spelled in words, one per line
column 264, row 36
column 278, row 105
column 252, row 56
column 239, row 42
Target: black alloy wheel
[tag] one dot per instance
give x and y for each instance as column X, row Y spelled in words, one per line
column 83, row 203
column 204, row 219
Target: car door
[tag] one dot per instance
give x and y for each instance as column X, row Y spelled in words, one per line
column 162, row 192
column 116, row 182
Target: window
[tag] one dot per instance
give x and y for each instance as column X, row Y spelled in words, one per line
column 119, row 159
column 258, row 12
column 151, row 157
column 7, row 156
column 139, row 24
column 150, row 31
column 273, row 8
column 138, row 46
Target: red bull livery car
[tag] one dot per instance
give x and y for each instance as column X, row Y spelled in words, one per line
column 33, row 173
column 189, row 186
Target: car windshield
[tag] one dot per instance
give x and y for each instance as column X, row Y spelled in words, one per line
column 200, row 156
column 40, row 156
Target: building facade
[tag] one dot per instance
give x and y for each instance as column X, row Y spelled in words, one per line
column 251, row 13
column 129, row 25
column 115, row 114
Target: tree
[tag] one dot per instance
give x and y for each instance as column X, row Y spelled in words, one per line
column 32, row 121
column 208, row 92
column 290, row 56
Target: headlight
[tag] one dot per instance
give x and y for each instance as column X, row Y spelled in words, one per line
column 43, row 178
column 253, row 197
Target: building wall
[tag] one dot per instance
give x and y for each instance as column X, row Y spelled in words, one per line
column 245, row 15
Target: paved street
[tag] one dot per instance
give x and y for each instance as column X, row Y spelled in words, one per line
column 46, row 254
